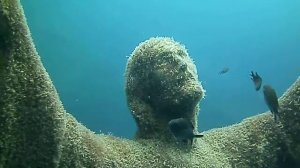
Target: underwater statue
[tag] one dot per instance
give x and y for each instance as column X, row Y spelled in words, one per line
column 161, row 84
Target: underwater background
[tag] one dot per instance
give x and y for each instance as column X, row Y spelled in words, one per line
column 84, row 46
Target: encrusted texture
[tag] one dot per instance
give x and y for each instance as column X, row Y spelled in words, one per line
column 35, row 130
column 290, row 114
column 31, row 115
column 161, row 84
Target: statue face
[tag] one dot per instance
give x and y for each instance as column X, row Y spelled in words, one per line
column 161, row 85
column 173, row 88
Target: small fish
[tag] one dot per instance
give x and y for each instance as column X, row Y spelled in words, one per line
column 183, row 130
column 256, row 80
column 271, row 100
column 224, row 70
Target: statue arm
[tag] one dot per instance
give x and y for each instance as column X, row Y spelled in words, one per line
column 258, row 141
column 31, row 115
column 35, row 130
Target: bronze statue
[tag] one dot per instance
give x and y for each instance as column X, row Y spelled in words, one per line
column 161, row 84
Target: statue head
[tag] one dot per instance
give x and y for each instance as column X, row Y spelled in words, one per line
column 161, row 84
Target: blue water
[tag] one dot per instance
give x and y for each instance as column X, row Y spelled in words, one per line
column 84, row 44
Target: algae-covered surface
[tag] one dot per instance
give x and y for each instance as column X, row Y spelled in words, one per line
column 36, row 131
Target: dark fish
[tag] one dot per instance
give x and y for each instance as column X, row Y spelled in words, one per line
column 271, row 100
column 224, row 70
column 183, row 130
column 256, row 80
